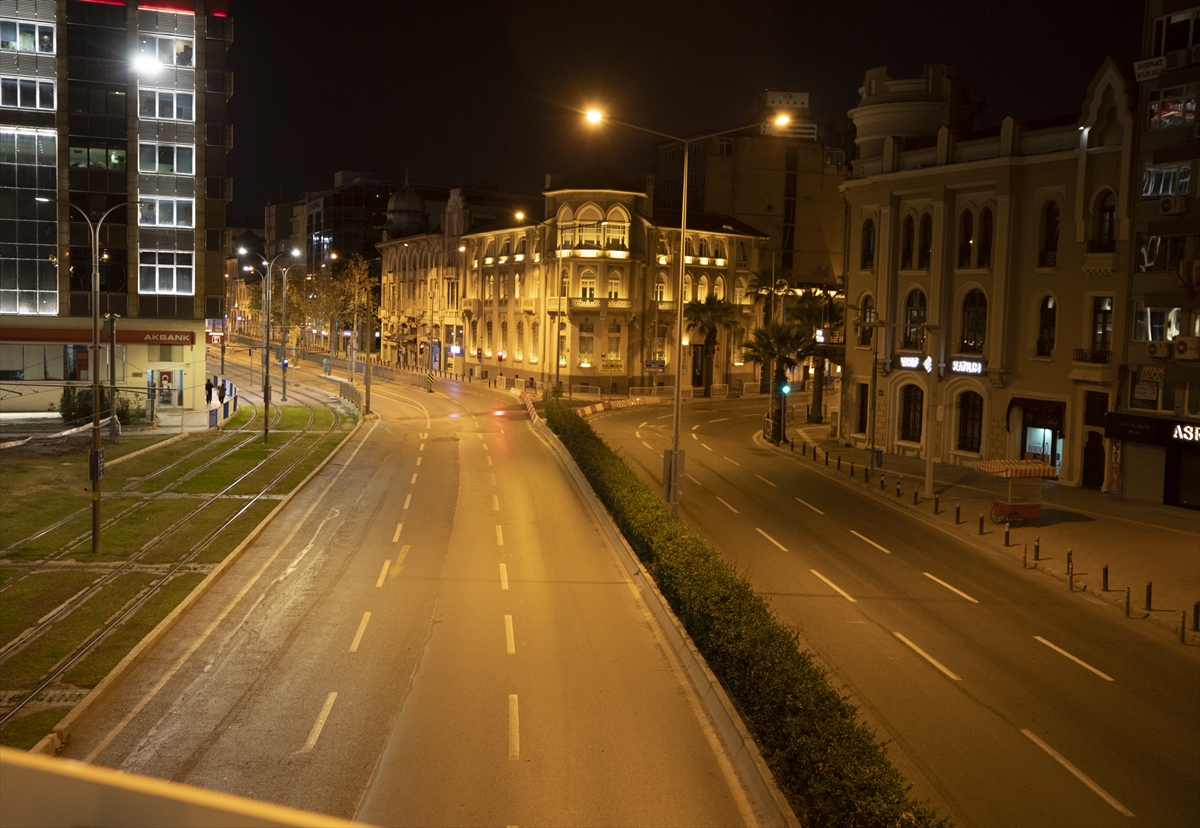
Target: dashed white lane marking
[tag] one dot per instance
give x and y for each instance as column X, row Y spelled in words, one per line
column 809, row 505
column 696, row 426
column 719, row 420
column 424, row 435
column 503, row 576
column 694, row 480
column 868, row 540
column 731, row 460
column 637, row 434
column 319, row 725
column 414, row 479
column 407, row 501
column 514, row 729
column 422, row 448
column 927, row 657
column 419, row 459
column 643, row 425
column 952, row 589
column 771, row 539
column 485, row 448
column 399, row 562
column 1078, row 774
column 510, row 643
column 1078, row 661
column 362, row 628
column 495, row 503
column 707, row 446
column 768, row 482
column 396, row 536
column 694, row 437
column 833, row 586
column 499, row 535
column 727, row 506
column 662, row 416
column 383, row 573
column 647, row 445
column 489, row 459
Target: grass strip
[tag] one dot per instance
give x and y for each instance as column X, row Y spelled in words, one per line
column 129, row 534
column 829, row 765
column 218, row 476
column 235, row 533
column 244, row 413
column 293, row 478
column 292, row 418
column 177, row 544
column 27, row 601
column 97, row 664
column 25, row 668
column 24, row 732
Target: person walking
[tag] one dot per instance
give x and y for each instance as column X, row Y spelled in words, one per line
column 221, row 393
column 208, row 389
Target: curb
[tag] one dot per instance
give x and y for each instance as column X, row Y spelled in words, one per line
column 133, row 454
column 747, row 760
column 56, row 740
column 1010, row 552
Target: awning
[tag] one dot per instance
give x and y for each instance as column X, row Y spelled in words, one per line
column 1030, row 404
column 1009, row 469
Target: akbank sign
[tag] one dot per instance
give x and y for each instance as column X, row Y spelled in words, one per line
column 1186, row 433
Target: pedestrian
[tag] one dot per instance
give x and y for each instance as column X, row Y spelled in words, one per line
column 208, row 389
column 221, row 393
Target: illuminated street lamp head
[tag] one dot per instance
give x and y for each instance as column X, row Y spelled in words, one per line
column 295, row 252
column 44, row 200
column 782, row 120
column 594, row 116
column 520, row 216
column 146, row 64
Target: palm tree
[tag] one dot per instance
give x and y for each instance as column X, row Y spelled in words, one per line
column 776, row 346
column 812, row 312
column 708, row 318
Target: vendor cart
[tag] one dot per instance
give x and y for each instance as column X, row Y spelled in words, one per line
column 1018, row 488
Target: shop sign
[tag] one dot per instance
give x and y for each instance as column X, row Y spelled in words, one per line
column 967, row 366
column 1145, row 390
column 1149, row 68
column 1150, row 373
column 915, row 362
column 1186, row 433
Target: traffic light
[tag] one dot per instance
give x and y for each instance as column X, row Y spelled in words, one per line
column 479, row 354
column 421, row 348
column 785, row 389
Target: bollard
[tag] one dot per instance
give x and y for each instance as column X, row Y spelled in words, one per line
column 1037, row 549
column 839, row 462
column 1183, row 628
column 897, row 487
column 1104, row 579
column 1126, row 602
column 826, row 458
column 915, row 500
column 852, row 469
column 1149, row 594
column 814, row 454
column 1196, row 617
column 1025, row 557
column 1070, row 572
column 804, row 449
column 867, row 473
column 935, row 503
column 981, row 524
column 881, row 483
column 958, row 516
column 1006, row 535
column 793, row 442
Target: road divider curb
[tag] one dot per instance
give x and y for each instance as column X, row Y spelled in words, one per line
column 133, row 454
column 773, row 808
column 56, row 740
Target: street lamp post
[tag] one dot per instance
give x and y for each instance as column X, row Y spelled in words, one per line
column 266, row 347
column 112, row 370
column 674, row 457
column 284, row 331
column 96, row 461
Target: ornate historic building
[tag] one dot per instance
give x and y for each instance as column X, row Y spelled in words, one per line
column 987, row 276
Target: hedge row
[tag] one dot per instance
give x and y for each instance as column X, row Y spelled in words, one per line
column 828, row 765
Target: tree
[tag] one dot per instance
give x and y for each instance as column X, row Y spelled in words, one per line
column 813, row 312
column 776, row 346
column 708, row 318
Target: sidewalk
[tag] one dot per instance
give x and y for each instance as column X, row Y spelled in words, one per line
column 1139, row 542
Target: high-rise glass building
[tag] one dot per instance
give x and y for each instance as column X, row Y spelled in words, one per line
column 111, row 104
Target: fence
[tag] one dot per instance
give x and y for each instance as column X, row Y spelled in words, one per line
column 350, row 394
column 719, row 391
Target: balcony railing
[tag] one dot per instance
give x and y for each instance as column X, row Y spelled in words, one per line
column 1102, row 246
column 1094, row 357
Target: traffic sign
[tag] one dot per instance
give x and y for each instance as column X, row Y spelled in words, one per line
column 656, row 366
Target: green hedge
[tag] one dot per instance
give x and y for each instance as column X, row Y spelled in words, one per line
column 828, row 765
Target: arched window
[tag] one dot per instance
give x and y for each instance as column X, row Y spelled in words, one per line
column 491, row 249
column 974, row 322
column 687, row 288
column 983, row 256
column 866, row 259
column 688, row 250
column 912, row 400
column 490, row 286
column 739, row 291
column 719, row 250
column 1048, row 252
column 704, row 248
column 1106, row 223
column 519, row 350
column 564, row 282
column 866, row 333
column 1047, row 321
column 660, row 288
column 587, row 285
column 489, row 337
column 663, row 250
column 966, row 237
column 914, row 320
column 741, row 251
column 970, row 421
column 504, row 337
column 521, row 246
column 702, row 289
column 906, row 244
column 925, row 243
column 505, row 247
column 517, row 280
column 503, row 285
column 719, row 288
column 614, row 286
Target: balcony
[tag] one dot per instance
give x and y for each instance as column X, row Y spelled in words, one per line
column 473, row 307
column 556, row 304
column 666, row 307
column 1093, row 357
column 1091, row 367
column 578, row 304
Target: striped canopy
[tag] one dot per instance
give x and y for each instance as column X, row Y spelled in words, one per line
column 1016, row 468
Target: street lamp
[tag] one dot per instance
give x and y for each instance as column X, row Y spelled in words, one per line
column 266, row 306
column 96, row 460
column 673, row 457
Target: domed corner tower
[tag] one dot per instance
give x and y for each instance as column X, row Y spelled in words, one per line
column 405, row 213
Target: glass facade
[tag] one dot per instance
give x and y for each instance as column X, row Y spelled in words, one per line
column 28, row 228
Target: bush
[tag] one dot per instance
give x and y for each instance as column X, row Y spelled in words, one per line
column 828, row 765
column 75, row 406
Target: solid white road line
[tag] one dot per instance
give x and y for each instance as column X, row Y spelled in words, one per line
column 771, row 539
column 510, row 643
column 495, row 503
column 383, row 573
column 1078, row 661
column 396, row 536
column 694, row 480
column 499, row 535
column 503, row 576
column 514, row 729
column 362, row 628
column 707, row 446
column 414, row 479
column 419, row 460
column 407, row 500
column 809, row 505
column 952, row 589
column 647, row 445
column 399, row 561
column 768, row 482
column 927, row 657
column 833, row 586
column 727, row 506
column 868, row 540
column 731, row 460
column 319, row 725
column 719, row 420
column 1078, row 774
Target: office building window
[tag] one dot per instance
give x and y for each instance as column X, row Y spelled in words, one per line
column 166, row 159
column 26, row 93
column 166, row 212
column 165, row 105
column 95, row 154
column 28, row 228
column 1159, row 180
column 165, row 272
column 167, row 51
column 25, row 36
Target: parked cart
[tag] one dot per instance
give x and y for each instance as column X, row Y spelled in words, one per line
column 1018, row 488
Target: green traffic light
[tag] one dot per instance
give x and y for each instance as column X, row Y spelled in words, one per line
column 787, row 389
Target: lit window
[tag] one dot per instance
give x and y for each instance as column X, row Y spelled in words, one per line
column 25, row 36
column 165, row 105
column 166, row 212
column 1174, row 107
column 26, row 93
column 28, row 229
column 914, row 320
column 1159, row 180
column 160, row 159
column 168, row 51
column 165, row 272
column 974, row 322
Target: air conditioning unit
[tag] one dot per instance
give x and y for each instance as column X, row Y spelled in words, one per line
column 1177, row 59
column 1187, row 347
column 1171, row 206
column 1196, row 53
column 1160, row 350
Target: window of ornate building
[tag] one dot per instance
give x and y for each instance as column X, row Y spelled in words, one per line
column 1102, row 313
column 907, row 239
column 925, row 243
column 489, row 286
column 974, row 322
column 739, row 291
column 488, row 342
column 503, row 285
column 866, row 331
column 534, row 332
column 866, row 257
column 983, row 257
column 970, row 421
column 966, row 238
column 519, row 350
column 1048, row 249
column 912, row 401
column 587, row 285
column 1105, row 240
column 719, row 288
column 687, row 288
column 1047, row 324
column 702, row 289
column 914, row 320
column 660, row 288
column 504, row 336
column 586, row 348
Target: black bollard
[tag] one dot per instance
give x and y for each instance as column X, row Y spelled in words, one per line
column 852, row 469
column 1126, row 602
column 839, row 462
column 981, row 524
column 793, row 442
column 826, row 458
column 935, row 503
column 897, row 487
column 1070, row 572
column 1037, row 549
column 882, row 483
column 1196, row 617
column 1006, row 535
column 915, row 500
column 1104, row 579
column 958, row 517
column 803, row 449
column 1149, row 595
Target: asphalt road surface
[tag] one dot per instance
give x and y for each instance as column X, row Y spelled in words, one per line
column 1007, row 701
column 434, row 632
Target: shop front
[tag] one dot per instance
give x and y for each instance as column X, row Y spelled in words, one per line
column 1155, row 459
column 1041, row 429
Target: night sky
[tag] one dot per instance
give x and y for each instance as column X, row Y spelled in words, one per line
column 473, row 93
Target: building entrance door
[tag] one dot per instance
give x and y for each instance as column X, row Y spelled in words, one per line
column 1093, row 461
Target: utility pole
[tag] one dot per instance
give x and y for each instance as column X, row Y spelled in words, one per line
column 112, row 370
